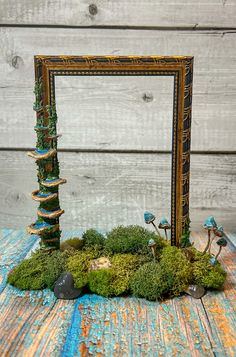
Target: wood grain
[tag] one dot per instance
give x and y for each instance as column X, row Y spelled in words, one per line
column 37, row 323
column 214, row 90
column 159, row 13
column 104, row 190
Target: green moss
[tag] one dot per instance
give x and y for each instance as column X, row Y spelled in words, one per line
column 55, row 266
column 185, row 239
column 72, row 243
column 177, row 270
column 131, row 239
column 52, row 119
column 149, row 282
column 78, row 265
column 100, row 282
column 211, row 277
column 123, row 268
column 38, row 95
column 169, row 277
column 92, row 237
column 38, row 272
column 132, row 268
column 50, row 205
column 115, row 281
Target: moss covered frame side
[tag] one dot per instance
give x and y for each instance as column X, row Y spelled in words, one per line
column 181, row 68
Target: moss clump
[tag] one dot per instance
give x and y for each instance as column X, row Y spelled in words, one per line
column 72, row 244
column 100, row 282
column 149, row 282
column 38, row 272
column 211, row 277
column 55, row 266
column 79, row 263
column 124, row 267
column 115, row 280
column 177, row 270
column 131, row 239
column 169, row 277
column 93, row 238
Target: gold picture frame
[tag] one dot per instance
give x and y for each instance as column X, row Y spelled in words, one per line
column 180, row 67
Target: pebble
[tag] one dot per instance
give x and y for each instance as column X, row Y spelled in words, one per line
column 64, row 287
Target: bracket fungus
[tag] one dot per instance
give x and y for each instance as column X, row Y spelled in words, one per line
column 150, row 218
column 164, row 224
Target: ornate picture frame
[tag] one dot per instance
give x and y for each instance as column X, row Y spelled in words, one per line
column 47, row 68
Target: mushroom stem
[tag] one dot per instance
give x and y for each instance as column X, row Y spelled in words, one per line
column 156, row 228
column 218, row 252
column 153, row 253
column 166, row 234
column 208, row 241
column 209, row 248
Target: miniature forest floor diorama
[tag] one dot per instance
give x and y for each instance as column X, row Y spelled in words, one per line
column 128, row 260
column 37, row 323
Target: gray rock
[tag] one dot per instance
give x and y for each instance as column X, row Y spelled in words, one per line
column 64, row 287
column 196, row 291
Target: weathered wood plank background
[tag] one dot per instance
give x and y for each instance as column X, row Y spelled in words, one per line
column 116, row 188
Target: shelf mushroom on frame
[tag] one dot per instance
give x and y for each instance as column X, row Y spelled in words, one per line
column 49, row 211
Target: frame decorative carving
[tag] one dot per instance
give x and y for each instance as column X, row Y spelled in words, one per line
column 47, row 67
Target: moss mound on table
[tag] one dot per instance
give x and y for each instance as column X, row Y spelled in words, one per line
column 38, row 272
column 129, row 266
column 132, row 239
column 169, row 277
column 207, row 277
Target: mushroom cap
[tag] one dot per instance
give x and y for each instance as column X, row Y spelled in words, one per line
column 219, row 231
column 149, row 217
column 222, row 242
column 164, row 224
column 151, row 243
column 210, row 223
column 212, row 261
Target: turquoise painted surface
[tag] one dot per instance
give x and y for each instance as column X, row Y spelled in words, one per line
column 14, row 246
column 134, row 327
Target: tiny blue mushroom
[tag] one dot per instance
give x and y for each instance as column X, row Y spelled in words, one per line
column 164, row 224
column 222, row 242
column 218, row 232
column 213, row 261
column 210, row 225
column 150, row 218
column 152, row 244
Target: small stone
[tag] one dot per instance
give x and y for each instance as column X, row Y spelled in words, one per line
column 64, row 287
column 100, row 263
column 196, row 291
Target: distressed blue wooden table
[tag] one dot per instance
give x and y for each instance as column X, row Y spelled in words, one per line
column 37, row 324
